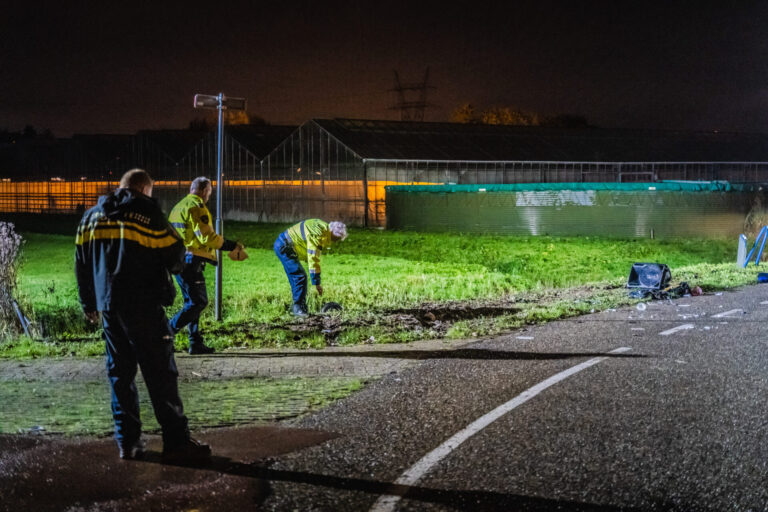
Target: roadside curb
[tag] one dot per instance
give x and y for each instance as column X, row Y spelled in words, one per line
column 369, row 361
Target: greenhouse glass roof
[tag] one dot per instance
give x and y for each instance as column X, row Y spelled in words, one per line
column 176, row 144
column 259, row 139
column 401, row 140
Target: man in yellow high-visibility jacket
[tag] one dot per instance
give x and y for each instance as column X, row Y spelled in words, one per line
column 305, row 241
column 193, row 223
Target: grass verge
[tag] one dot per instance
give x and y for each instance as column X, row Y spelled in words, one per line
column 395, row 287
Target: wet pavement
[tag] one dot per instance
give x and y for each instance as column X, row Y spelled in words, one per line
column 52, row 474
column 44, row 471
column 678, row 422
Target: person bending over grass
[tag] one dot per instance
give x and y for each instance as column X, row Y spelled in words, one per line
column 305, row 241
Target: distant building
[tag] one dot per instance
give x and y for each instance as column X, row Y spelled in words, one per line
column 335, row 162
column 339, row 167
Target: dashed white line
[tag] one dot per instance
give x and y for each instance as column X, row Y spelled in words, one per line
column 417, row 471
column 673, row 330
column 764, row 302
column 728, row 313
column 524, row 337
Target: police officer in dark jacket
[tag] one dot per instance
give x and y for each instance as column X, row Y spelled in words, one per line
column 125, row 251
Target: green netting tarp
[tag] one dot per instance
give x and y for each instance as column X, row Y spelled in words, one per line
column 663, row 209
column 661, row 186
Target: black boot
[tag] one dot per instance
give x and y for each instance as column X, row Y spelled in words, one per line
column 186, row 452
column 200, row 348
column 300, row 310
column 133, row 450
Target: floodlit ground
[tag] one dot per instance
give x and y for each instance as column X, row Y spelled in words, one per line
column 82, row 408
column 394, row 286
column 276, row 443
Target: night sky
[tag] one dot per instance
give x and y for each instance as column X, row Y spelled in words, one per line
column 102, row 68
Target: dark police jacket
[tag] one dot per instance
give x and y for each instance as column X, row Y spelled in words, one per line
column 125, row 250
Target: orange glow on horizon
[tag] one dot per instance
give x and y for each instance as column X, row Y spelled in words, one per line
column 73, row 196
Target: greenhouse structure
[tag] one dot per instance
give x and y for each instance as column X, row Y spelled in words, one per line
column 339, row 168
column 68, row 175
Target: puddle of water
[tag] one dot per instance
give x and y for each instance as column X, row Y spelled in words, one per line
column 83, row 407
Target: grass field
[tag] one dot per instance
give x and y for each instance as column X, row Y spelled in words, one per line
column 394, row 286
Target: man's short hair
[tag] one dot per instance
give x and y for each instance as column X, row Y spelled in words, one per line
column 199, row 184
column 136, row 179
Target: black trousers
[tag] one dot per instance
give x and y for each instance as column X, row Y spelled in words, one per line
column 139, row 335
column 192, row 284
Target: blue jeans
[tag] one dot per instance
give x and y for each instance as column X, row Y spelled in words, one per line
column 297, row 276
column 139, row 335
column 192, row 283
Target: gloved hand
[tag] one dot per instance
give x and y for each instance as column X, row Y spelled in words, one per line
column 228, row 245
column 238, row 253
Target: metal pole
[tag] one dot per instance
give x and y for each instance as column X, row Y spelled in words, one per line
column 219, row 196
column 365, row 193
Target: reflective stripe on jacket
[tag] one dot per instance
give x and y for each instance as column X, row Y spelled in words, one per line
column 194, row 224
column 124, row 250
column 310, row 238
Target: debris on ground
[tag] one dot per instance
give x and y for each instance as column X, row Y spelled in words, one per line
column 331, row 306
column 670, row 292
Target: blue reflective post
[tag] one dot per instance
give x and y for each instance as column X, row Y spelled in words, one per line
column 763, row 235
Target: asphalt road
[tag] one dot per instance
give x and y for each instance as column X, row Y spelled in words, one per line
column 661, row 409
column 679, row 422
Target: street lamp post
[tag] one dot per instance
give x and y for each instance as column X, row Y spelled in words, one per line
column 221, row 103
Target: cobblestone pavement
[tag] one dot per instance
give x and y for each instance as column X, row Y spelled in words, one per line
column 354, row 361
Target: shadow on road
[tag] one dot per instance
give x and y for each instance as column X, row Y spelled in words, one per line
column 460, row 500
column 462, row 353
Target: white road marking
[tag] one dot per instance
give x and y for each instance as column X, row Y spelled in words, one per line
column 683, row 305
column 728, row 313
column 673, row 330
column 413, row 474
column 524, row 337
column 638, row 328
column 764, row 302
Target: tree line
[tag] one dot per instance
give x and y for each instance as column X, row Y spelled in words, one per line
column 468, row 113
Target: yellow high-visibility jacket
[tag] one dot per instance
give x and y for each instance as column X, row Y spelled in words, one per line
column 192, row 220
column 310, row 238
